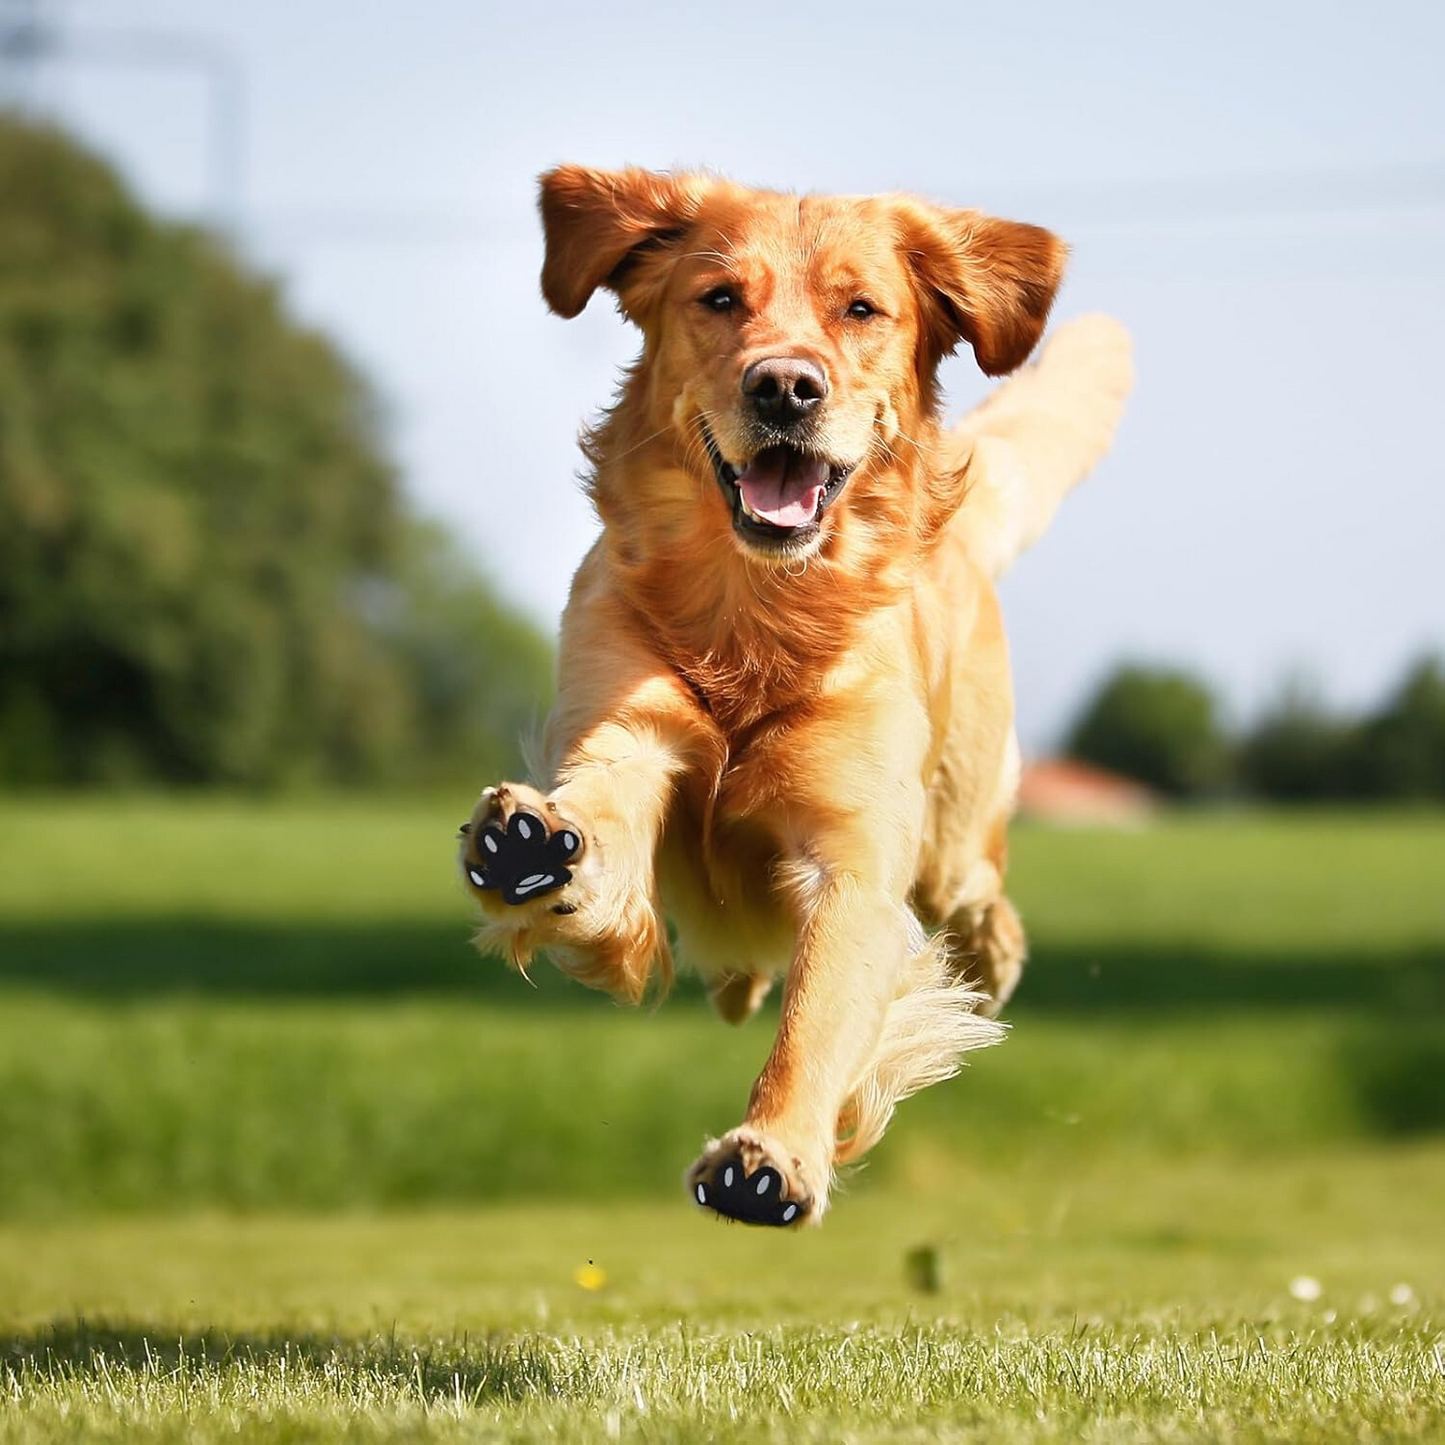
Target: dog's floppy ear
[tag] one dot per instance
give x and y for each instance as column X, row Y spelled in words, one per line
column 987, row 282
column 600, row 227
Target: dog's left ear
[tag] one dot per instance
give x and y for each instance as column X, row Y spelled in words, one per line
column 987, row 282
column 601, row 228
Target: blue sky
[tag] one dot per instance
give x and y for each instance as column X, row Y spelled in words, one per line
column 1257, row 190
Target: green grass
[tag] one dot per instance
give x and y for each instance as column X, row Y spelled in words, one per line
column 922, row 1382
column 280, row 1158
column 186, row 1103
column 262, row 1006
column 1147, row 1306
column 1285, row 880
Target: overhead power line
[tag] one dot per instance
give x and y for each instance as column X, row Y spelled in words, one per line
column 1128, row 205
column 28, row 37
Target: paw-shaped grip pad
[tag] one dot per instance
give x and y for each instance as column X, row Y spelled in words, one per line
column 755, row 1198
column 523, row 860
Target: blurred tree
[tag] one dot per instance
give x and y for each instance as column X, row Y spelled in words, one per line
column 478, row 674
column 207, row 570
column 1399, row 751
column 1298, row 751
column 1156, row 725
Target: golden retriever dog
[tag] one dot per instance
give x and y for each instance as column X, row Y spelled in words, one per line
column 785, row 717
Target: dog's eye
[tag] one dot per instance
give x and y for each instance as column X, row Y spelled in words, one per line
column 720, row 298
column 861, row 310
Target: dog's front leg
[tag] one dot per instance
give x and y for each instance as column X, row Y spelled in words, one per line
column 854, row 942
column 571, row 870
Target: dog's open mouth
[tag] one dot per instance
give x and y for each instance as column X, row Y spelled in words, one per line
column 779, row 497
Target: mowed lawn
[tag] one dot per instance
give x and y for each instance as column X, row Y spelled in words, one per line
column 280, row 1158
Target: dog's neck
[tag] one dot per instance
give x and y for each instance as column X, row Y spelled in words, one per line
column 751, row 641
column 751, row 637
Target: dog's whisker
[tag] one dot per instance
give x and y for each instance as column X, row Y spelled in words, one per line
column 652, row 437
column 693, row 455
column 918, row 446
column 728, row 262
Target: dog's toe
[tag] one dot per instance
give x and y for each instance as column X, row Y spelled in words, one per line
column 721, row 1182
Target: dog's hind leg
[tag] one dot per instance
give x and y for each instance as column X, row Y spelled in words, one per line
column 738, row 996
column 987, row 950
column 979, row 928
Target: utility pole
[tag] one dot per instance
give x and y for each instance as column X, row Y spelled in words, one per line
column 28, row 38
column 21, row 24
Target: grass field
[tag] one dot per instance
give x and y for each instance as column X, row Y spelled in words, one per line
column 282, row 1160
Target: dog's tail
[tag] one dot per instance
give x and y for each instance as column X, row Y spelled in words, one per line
column 931, row 1023
column 1039, row 435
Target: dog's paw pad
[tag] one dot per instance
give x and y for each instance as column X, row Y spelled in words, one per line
column 522, row 860
column 761, row 1197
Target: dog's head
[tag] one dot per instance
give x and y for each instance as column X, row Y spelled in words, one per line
column 791, row 343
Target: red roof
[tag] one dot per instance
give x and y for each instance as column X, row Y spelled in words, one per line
column 1064, row 790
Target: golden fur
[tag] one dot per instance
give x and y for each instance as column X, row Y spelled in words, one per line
column 803, row 755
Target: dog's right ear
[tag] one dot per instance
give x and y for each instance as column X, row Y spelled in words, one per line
column 602, row 227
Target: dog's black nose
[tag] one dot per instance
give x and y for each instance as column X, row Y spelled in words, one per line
column 784, row 389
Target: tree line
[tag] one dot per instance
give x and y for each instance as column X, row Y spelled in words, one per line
column 1166, row 728
column 208, row 571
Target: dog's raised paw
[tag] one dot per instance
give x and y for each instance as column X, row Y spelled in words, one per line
column 523, row 859
column 720, row 1181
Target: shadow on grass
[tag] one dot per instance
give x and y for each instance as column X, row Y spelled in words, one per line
column 1159, row 978
column 1398, row 1077
column 178, row 956
column 506, row 1368
column 165, row 956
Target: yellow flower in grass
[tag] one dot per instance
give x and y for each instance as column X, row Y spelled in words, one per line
column 590, row 1275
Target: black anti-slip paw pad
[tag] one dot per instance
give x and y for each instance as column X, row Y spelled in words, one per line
column 523, row 861
column 751, row 1198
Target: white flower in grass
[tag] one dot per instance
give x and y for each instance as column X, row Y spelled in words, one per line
column 1306, row 1288
column 1402, row 1295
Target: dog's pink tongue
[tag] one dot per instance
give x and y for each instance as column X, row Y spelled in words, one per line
column 783, row 488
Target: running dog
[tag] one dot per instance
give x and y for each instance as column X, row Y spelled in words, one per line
column 785, row 714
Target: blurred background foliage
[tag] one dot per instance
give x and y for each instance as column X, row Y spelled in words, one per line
column 1167, row 728
column 208, row 571
column 1156, row 725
